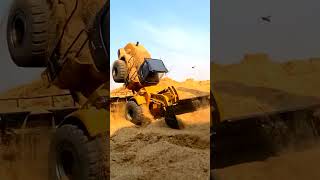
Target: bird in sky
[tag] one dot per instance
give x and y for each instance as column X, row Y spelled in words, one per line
column 193, row 67
column 266, row 18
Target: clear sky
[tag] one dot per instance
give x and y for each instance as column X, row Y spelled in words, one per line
column 292, row 33
column 177, row 31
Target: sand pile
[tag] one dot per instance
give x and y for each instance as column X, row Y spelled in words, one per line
column 290, row 165
column 34, row 89
column 262, row 84
column 186, row 89
column 158, row 152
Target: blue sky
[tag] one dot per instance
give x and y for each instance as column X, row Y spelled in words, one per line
column 176, row 31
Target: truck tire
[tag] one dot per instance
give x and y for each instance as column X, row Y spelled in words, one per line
column 73, row 155
column 134, row 113
column 275, row 135
column 119, row 71
column 215, row 112
column 27, row 32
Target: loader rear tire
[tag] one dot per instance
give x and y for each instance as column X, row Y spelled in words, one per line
column 27, row 32
column 119, row 71
column 134, row 113
column 73, row 155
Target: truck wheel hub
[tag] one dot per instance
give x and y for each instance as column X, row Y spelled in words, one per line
column 18, row 30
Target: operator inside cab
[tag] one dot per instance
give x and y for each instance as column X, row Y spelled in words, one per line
column 151, row 71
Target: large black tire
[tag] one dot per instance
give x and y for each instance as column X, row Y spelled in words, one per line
column 215, row 119
column 73, row 156
column 275, row 134
column 99, row 35
column 119, row 71
column 134, row 113
column 215, row 112
column 27, row 32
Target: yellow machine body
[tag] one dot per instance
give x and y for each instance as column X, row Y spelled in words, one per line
column 91, row 116
column 134, row 55
column 94, row 120
column 158, row 96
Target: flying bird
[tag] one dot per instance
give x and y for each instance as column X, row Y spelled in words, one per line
column 266, row 18
column 193, row 67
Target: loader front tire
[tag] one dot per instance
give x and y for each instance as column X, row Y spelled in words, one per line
column 73, row 155
column 119, row 71
column 134, row 113
column 27, row 32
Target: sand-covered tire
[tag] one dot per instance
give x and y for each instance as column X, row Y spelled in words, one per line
column 156, row 111
column 27, row 32
column 73, row 155
column 134, row 113
column 275, row 135
column 119, row 71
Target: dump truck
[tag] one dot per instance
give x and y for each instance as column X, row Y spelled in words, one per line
column 258, row 135
column 142, row 74
column 70, row 41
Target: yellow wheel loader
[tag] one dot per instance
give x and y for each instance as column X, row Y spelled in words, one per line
column 142, row 74
column 70, row 39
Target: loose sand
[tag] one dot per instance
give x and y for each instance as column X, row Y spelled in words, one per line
column 290, row 165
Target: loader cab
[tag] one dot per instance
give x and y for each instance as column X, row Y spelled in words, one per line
column 151, row 71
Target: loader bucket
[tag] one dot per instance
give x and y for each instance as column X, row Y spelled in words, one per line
column 171, row 119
